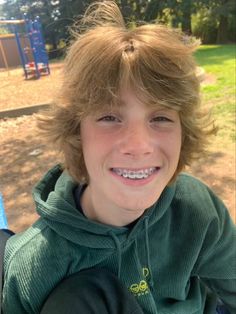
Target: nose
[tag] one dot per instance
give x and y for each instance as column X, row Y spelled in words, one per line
column 136, row 141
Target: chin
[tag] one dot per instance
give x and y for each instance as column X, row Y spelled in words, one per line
column 138, row 205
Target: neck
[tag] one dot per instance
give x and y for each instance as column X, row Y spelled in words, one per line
column 109, row 215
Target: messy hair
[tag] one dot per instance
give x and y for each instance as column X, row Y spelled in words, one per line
column 106, row 56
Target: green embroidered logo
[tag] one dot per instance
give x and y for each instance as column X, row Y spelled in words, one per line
column 140, row 288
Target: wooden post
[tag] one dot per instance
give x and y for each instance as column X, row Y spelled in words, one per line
column 4, row 57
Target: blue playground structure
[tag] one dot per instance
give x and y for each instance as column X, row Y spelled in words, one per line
column 3, row 218
column 39, row 62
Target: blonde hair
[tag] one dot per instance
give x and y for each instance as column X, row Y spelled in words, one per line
column 153, row 60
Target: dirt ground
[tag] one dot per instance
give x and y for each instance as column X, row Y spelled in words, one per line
column 16, row 92
column 24, row 158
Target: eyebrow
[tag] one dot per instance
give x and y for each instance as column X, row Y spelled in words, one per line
column 153, row 106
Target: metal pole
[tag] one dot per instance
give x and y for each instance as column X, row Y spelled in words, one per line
column 20, row 50
column 30, row 33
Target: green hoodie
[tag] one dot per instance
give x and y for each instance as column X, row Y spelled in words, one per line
column 182, row 244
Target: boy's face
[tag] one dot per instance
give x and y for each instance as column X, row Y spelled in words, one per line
column 131, row 153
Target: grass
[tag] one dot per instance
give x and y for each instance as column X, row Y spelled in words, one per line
column 219, row 64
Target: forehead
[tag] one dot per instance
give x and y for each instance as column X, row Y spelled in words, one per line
column 129, row 98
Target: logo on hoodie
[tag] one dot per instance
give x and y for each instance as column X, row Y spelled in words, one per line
column 141, row 288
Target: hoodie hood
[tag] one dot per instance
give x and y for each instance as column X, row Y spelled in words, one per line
column 54, row 198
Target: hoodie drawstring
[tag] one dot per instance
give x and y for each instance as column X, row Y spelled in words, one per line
column 118, row 246
column 147, row 247
column 148, row 250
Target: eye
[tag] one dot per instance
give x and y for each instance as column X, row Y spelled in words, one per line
column 109, row 118
column 161, row 119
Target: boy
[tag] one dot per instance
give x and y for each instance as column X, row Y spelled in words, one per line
column 119, row 222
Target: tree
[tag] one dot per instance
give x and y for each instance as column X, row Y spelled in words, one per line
column 223, row 10
column 1, row 11
column 153, row 9
column 218, row 15
column 181, row 13
column 187, row 8
column 56, row 16
column 46, row 10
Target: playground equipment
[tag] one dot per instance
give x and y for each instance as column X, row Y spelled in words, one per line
column 3, row 218
column 36, row 48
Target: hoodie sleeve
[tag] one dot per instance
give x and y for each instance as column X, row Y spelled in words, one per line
column 32, row 269
column 216, row 265
column 15, row 296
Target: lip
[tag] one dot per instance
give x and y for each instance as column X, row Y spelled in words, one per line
column 137, row 182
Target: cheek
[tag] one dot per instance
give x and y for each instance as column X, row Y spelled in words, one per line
column 177, row 137
column 96, row 141
column 176, row 145
column 171, row 142
column 86, row 143
column 172, row 146
column 95, row 149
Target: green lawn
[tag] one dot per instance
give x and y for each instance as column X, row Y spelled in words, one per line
column 219, row 64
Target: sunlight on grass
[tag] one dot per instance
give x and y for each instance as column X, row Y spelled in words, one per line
column 219, row 62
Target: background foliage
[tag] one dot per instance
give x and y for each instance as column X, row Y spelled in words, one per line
column 218, row 92
column 213, row 21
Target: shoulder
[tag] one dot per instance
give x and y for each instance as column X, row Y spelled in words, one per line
column 186, row 183
column 201, row 216
column 31, row 255
column 205, row 222
column 21, row 242
column 198, row 201
column 31, row 259
column 192, row 189
column 35, row 242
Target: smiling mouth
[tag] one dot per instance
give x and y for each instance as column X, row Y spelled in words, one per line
column 135, row 174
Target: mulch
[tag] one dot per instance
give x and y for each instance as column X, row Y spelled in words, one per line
column 17, row 92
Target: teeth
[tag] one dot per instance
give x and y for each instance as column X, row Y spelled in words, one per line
column 131, row 174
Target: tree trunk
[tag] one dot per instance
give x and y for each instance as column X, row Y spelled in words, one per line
column 186, row 20
column 151, row 11
column 222, row 32
column 125, row 9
